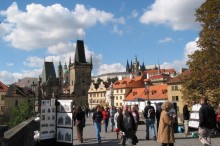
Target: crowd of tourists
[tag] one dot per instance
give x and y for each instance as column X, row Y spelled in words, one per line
column 124, row 122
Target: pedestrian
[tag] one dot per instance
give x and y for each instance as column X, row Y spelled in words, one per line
column 112, row 113
column 206, row 121
column 136, row 116
column 119, row 111
column 126, row 126
column 149, row 114
column 165, row 131
column 97, row 118
column 186, row 118
column 80, row 123
column 218, row 118
column 106, row 115
column 158, row 112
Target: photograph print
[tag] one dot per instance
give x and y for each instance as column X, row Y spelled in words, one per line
column 65, row 105
column 64, row 135
column 64, row 120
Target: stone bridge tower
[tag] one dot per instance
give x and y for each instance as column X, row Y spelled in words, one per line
column 80, row 75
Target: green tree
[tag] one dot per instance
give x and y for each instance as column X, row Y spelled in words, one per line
column 99, row 80
column 204, row 64
column 20, row 114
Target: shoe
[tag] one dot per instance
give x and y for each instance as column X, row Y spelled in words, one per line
column 99, row 141
column 155, row 138
column 147, row 138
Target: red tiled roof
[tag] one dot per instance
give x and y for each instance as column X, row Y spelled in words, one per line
column 3, row 87
column 158, row 77
column 129, row 83
column 178, row 78
column 155, row 71
column 156, row 92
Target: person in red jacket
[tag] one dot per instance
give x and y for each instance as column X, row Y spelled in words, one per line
column 106, row 114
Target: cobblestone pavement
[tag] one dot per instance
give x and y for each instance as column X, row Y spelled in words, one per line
column 109, row 138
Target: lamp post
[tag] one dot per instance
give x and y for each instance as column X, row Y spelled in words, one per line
column 147, row 89
column 91, row 103
column 33, row 88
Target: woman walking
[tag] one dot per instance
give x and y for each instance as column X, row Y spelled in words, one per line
column 97, row 118
column 165, row 131
column 80, row 123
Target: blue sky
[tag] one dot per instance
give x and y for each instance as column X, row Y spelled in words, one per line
column 113, row 31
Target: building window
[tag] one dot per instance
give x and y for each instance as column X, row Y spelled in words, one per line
column 175, row 98
column 121, row 91
column 116, row 97
column 2, row 108
column 120, row 104
column 174, row 88
column 116, row 104
column 120, row 97
column 2, row 97
column 16, row 103
column 116, row 91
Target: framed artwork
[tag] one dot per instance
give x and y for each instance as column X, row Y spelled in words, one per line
column 64, row 120
column 65, row 106
column 64, row 135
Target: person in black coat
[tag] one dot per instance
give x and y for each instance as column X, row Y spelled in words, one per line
column 206, row 121
column 80, row 123
column 186, row 117
column 126, row 126
column 158, row 112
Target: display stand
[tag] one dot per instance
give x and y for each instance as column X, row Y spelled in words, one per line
column 194, row 119
column 47, row 119
column 64, row 122
column 194, row 116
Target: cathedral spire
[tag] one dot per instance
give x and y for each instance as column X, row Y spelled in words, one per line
column 127, row 67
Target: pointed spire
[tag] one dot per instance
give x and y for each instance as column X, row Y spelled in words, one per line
column 91, row 59
column 70, row 60
column 80, row 52
column 127, row 67
column 158, row 69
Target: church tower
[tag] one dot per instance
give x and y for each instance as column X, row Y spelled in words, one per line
column 80, row 74
column 60, row 73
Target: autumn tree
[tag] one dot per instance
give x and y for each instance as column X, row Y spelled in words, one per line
column 204, row 64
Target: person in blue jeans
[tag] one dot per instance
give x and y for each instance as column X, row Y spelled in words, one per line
column 97, row 118
column 149, row 114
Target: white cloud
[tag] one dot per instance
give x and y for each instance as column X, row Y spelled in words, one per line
column 110, row 68
column 134, row 14
column 166, row 40
column 190, row 48
column 116, row 30
column 42, row 26
column 8, row 78
column 10, row 64
column 178, row 14
column 61, row 48
column 33, row 61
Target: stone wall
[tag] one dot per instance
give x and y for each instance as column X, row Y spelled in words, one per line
column 20, row 135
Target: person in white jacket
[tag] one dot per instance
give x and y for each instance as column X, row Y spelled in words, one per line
column 115, row 120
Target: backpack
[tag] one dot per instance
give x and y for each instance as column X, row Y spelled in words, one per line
column 151, row 113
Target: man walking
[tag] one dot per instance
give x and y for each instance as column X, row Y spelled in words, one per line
column 206, row 122
column 149, row 114
column 186, row 117
column 126, row 126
